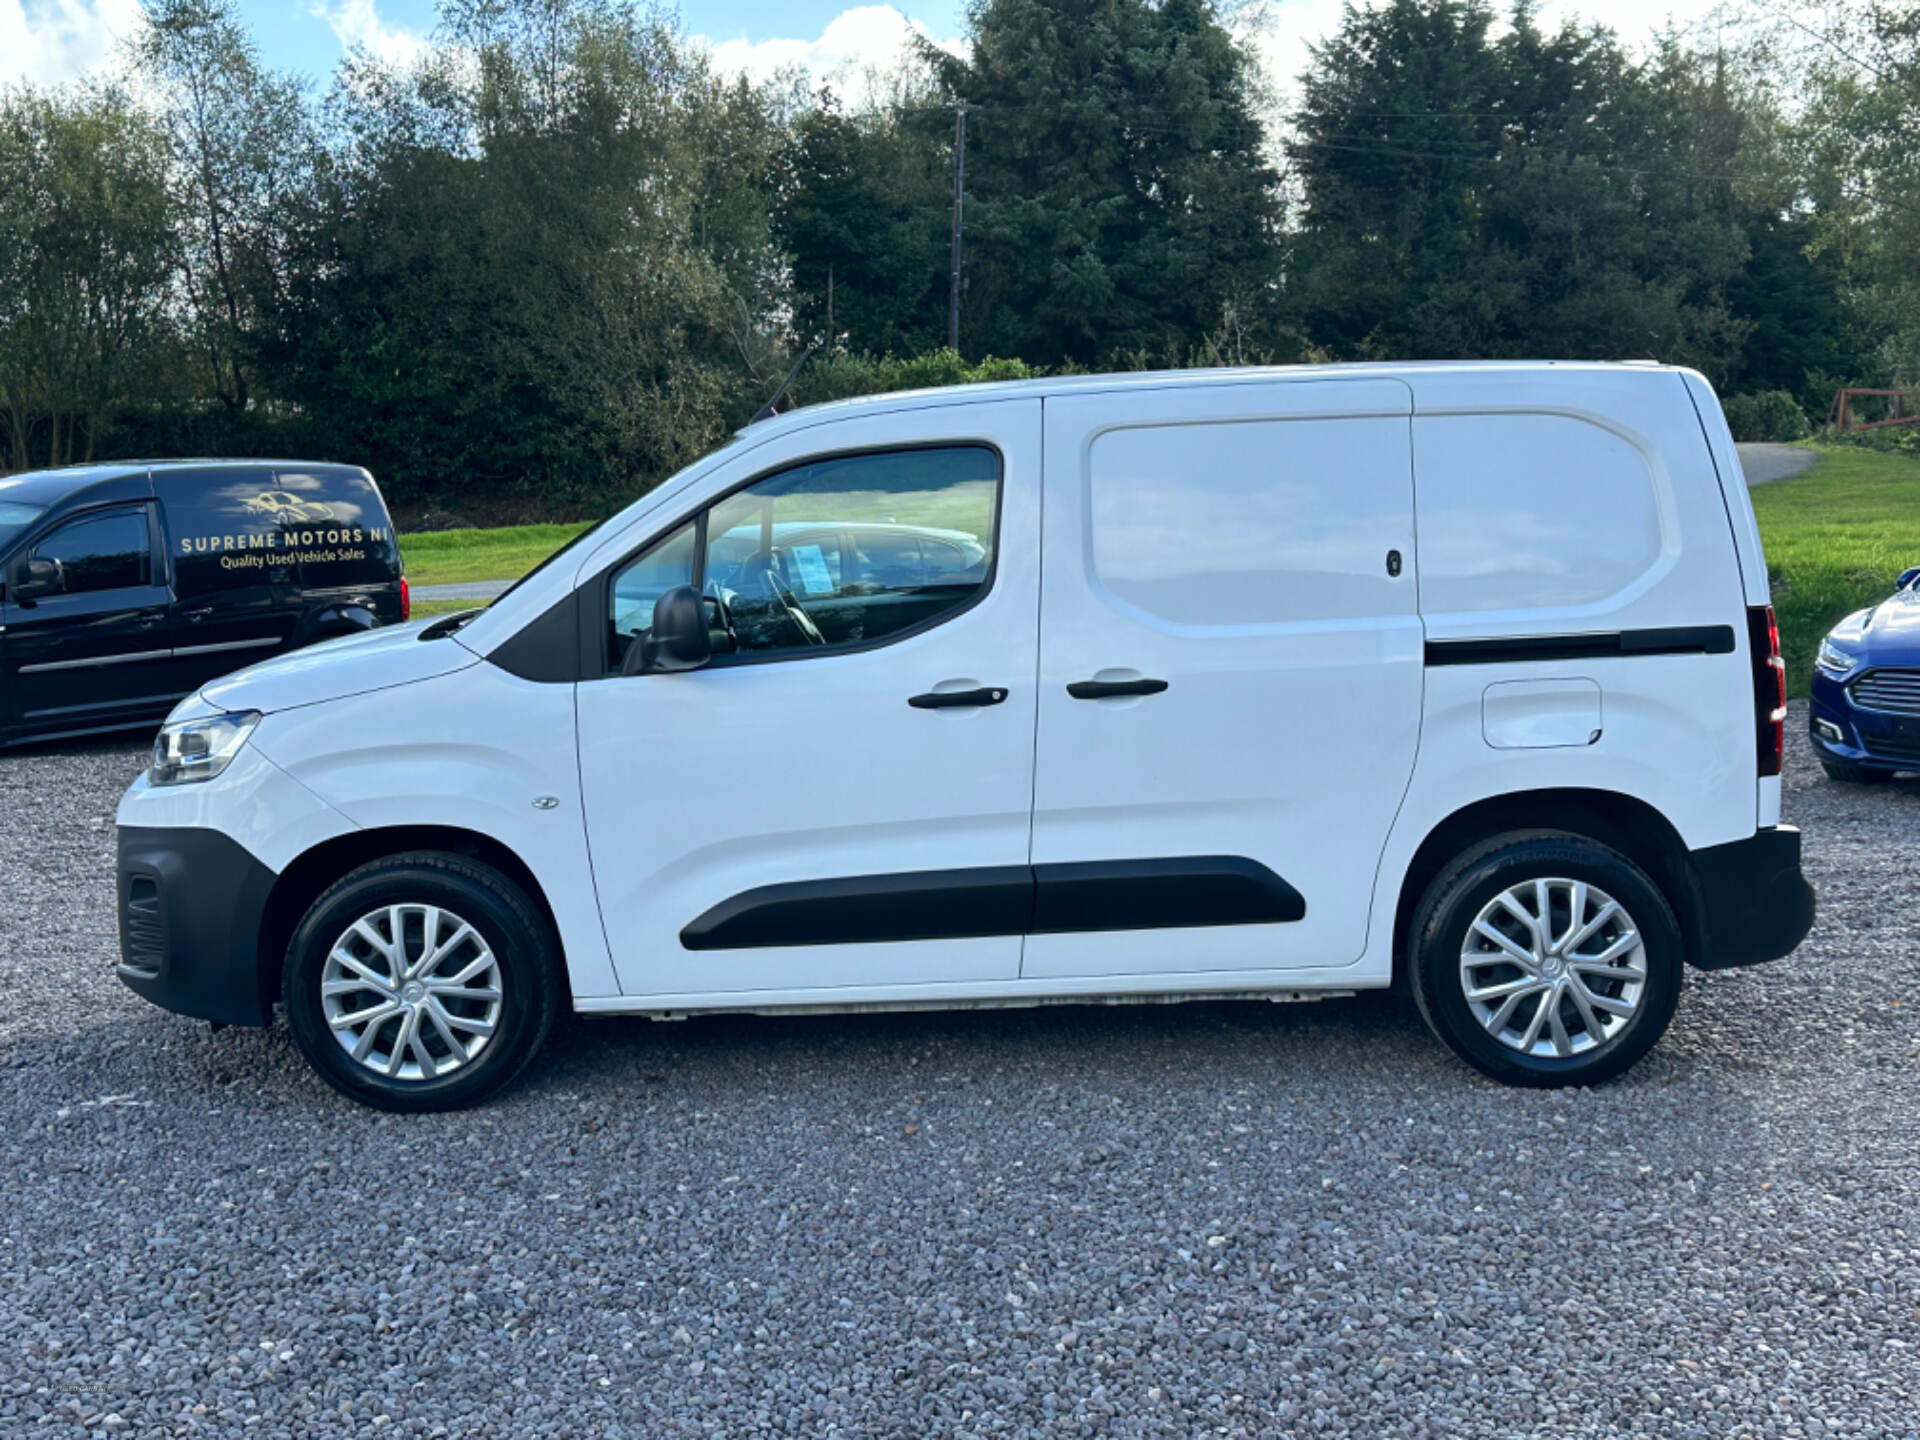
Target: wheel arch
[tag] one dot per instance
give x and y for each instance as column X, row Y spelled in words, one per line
column 311, row 872
column 1623, row 822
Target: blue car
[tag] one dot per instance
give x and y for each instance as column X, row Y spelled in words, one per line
column 1866, row 689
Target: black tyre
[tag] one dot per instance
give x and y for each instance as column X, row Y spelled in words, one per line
column 444, row 1017
column 1545, row 958
column 1845, row 774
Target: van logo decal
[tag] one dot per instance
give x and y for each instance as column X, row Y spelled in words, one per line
column 286, row 509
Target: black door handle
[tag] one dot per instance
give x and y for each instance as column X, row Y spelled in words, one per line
column 199, row 614
column 956, row 699
column 1108, row 689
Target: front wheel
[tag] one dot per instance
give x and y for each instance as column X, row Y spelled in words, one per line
column 421, row 982
column 1546, row 959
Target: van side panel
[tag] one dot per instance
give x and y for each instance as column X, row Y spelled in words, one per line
column 1590, row 496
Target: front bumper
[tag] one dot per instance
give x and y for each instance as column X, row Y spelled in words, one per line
column 1871, row 739
column 191, row 901
column 1753, row 902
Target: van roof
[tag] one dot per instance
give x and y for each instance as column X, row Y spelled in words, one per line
column 44, row 487
column 1161, row 379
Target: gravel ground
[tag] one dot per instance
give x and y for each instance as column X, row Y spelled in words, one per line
column 1228, row 1219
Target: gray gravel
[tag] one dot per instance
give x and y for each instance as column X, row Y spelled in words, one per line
column 1227, row 1219
column 1761, row 463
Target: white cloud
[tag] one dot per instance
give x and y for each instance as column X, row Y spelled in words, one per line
column 356, row 24
column 50, row 42
column 856, row 42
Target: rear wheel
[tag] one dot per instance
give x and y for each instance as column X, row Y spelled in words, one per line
column 421, row 982
column 1544, row 958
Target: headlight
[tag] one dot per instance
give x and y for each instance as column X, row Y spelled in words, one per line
column 192, row 750
column 1835, row 661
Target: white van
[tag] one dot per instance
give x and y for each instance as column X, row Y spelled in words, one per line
column 1237, row 683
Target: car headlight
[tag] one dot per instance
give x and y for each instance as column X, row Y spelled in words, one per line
column 1835, row 661
column 192, row 750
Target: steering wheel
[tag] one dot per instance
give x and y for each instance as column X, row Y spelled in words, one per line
column 782, row 595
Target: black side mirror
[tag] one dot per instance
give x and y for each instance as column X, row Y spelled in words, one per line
column 679, row 638
column 34, row 578
column 1907, row 577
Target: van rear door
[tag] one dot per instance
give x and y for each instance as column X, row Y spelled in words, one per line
column 1230, row 675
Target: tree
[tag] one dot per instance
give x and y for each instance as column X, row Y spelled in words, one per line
column 1118, row 194
column 863, row 217
column 84, row 251
column 1535, row 194
column 546, row 273
column 242, row 151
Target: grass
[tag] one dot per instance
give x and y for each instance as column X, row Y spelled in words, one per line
column 452, row 557
column 1837, row 536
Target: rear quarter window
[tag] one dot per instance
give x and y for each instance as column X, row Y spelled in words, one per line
column 234, row 526
column 1520, row 512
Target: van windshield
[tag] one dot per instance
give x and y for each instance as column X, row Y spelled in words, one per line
column 15, row 517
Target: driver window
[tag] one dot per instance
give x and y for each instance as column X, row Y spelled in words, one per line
column 836, row 552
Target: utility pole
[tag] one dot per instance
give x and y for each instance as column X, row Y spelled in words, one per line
column 959, row 181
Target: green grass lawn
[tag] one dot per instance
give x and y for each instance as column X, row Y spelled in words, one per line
column 1837, row 536
column 450, row 557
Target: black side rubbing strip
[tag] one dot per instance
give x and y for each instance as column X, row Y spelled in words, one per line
column 1671, row 640
column 1160, row 894
column 917, row 905
column 1001, row 900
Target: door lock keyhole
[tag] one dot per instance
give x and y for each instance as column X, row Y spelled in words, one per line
column 1393, row 563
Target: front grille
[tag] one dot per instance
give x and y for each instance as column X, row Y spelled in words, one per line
column 1893, row 692
column 143, row 934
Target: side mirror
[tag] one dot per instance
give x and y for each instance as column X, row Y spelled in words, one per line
column 679, row 638
column 1907, row 577
column 34, row 578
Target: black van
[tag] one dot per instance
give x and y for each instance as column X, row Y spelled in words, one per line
column 126, row 586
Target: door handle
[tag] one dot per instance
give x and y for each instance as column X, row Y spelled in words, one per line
column 200, row 614
column 1111, row 689
column 148, row 621
column 957, row 699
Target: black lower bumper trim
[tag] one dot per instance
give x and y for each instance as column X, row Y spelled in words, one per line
column 191, row 901
column 1755, row 905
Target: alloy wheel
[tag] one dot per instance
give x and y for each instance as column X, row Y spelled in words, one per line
column 1553, row 967
column 411, row 992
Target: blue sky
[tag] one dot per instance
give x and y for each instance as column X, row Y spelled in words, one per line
column 51, row 41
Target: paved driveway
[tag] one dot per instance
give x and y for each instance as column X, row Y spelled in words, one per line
column 1762, row 463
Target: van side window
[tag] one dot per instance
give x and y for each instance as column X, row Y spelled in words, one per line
column 101, row 552
column 1522, row 512
column 662, row 566
column 837, row 552
column 1251, row 522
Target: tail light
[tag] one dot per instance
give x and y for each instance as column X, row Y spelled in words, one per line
column 406, row 600
column 1769, row 688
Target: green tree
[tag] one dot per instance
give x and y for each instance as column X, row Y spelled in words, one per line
column 1118, row 193
column 84, row 267
column 242, row 150
column 547, row 273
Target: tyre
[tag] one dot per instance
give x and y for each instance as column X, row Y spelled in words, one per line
column 1845, row 774
column 1545, row 958
column 421, row 982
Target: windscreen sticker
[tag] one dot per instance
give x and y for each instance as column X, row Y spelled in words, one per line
column 812, row 565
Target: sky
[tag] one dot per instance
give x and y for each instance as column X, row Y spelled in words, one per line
column 51, row 41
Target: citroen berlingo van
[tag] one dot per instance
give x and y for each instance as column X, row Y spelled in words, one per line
column 126, row 586
column 1249, row 683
